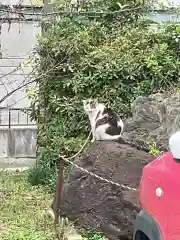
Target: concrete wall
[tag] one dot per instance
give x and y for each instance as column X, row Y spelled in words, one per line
column 18, row 142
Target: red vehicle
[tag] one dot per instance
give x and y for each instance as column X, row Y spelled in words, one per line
column 159, row 197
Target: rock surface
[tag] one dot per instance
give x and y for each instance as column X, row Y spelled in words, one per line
column 98, row 205
column 154, row 119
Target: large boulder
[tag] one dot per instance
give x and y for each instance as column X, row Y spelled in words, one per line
column 99, row 205
column 154, row 119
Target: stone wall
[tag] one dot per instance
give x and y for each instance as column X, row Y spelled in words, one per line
column 154, row 119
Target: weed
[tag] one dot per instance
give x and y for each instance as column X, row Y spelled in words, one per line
column 154, row 150
column 21, row 208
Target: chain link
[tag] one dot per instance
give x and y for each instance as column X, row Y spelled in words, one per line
column 100, row 178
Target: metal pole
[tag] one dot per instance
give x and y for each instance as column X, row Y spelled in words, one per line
column 48, row 7
column 9, row 118
column 57, row 202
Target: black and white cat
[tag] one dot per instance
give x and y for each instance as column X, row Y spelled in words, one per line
column 105, row 123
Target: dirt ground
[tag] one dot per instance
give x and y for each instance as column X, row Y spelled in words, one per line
column 102, row 206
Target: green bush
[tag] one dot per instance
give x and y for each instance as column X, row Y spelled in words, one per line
column 112, row 59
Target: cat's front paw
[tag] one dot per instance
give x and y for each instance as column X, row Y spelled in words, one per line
column 93, row 140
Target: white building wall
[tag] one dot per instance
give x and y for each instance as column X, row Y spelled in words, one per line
column 17, row 41
column 16, row 47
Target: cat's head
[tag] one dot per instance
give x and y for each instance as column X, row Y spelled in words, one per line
column 90, row 105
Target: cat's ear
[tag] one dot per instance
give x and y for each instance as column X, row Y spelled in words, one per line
column 85, row 102
column 86, row 105
column 96, row 100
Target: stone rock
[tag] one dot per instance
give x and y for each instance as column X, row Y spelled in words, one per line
column 96, row 204
column 154, row 119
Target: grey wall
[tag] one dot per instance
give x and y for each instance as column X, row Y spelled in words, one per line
column 18, row 142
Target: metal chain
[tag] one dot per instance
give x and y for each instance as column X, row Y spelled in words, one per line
column 100, row 178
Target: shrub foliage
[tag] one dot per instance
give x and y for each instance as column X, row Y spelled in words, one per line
column 113, row 57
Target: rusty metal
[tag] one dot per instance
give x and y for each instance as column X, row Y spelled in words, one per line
column 58, row 196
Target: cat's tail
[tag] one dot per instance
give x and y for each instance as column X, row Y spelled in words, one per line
column 121, row 140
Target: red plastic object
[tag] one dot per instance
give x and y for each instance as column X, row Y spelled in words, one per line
column 162, row 176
